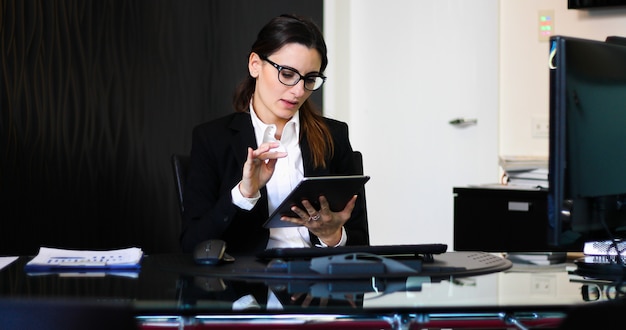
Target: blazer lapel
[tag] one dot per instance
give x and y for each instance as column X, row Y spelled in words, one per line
column 243, row 132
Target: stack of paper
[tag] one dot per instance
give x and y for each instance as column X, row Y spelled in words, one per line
column 526, row 171
column 538, row 258
column 522, row 163
column 533, row 178
column 61, row 259
column 5, row 261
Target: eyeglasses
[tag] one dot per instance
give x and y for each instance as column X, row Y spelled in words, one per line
column 290, row 77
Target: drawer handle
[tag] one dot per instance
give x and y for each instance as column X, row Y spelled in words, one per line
column 519, row 206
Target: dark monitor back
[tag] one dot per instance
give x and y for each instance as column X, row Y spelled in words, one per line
column 590, row 4
column 587, row 135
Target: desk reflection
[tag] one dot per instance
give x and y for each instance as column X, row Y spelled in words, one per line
column 499, row 289
column 253, row 295
column 174, row 283
column 509, row 288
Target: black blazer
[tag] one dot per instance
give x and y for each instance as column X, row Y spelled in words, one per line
column 218, row 152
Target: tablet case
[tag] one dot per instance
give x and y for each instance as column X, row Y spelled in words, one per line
column 338, row 190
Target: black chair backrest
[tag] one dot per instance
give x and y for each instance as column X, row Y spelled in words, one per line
column 358, row 164
column 358, row 161
column 180, row 166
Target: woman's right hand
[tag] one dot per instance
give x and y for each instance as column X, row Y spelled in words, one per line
column 259, row 167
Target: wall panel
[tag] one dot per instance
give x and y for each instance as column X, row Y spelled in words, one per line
column 96, row 96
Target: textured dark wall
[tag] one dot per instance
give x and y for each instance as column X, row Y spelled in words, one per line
column 96, row 96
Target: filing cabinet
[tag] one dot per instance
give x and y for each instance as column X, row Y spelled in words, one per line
column 494, row 219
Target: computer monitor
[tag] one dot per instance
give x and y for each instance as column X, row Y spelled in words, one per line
column 587, row 141
column 590, row 4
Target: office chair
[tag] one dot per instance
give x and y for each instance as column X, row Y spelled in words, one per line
column 357, row 156
column 180, row 166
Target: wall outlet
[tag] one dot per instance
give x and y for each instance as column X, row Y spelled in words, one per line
column 540, row 127
column 543, row 285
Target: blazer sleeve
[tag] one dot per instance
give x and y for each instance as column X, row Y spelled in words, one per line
column 217, row 156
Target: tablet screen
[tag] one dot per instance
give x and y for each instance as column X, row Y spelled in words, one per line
column 338, row 190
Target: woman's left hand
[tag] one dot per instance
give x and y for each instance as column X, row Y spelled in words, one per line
column 324, row 223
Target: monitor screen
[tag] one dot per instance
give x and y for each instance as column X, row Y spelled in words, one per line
column 585, row 4
column 587, row 160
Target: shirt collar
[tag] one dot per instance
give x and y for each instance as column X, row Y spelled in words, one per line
column 261, row 128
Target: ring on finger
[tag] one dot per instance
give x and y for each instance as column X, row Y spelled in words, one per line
column 315, row 217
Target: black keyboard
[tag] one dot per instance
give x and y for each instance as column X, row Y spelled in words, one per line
column 424, row 251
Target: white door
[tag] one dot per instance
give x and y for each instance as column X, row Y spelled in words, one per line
column 400, row 71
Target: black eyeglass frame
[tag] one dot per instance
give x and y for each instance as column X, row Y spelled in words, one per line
column 300, row 76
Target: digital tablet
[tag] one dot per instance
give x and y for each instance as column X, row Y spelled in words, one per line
column 338, row 190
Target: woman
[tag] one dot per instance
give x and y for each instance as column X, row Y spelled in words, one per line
column 244, row 164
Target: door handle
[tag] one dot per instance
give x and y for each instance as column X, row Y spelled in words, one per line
column 462, row 122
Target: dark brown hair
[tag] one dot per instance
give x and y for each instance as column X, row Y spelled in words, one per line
column 282, row 30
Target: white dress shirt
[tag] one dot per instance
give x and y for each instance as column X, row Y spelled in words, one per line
column 288, row 173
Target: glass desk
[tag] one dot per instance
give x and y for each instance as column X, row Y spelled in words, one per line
column 170, row 291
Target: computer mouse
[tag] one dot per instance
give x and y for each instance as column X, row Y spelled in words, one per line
column 211, row 252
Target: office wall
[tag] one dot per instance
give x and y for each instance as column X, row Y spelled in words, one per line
column 520, row 93
column 47, row 192
column 524, row 86
column 94, row 98
column 399, row 71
